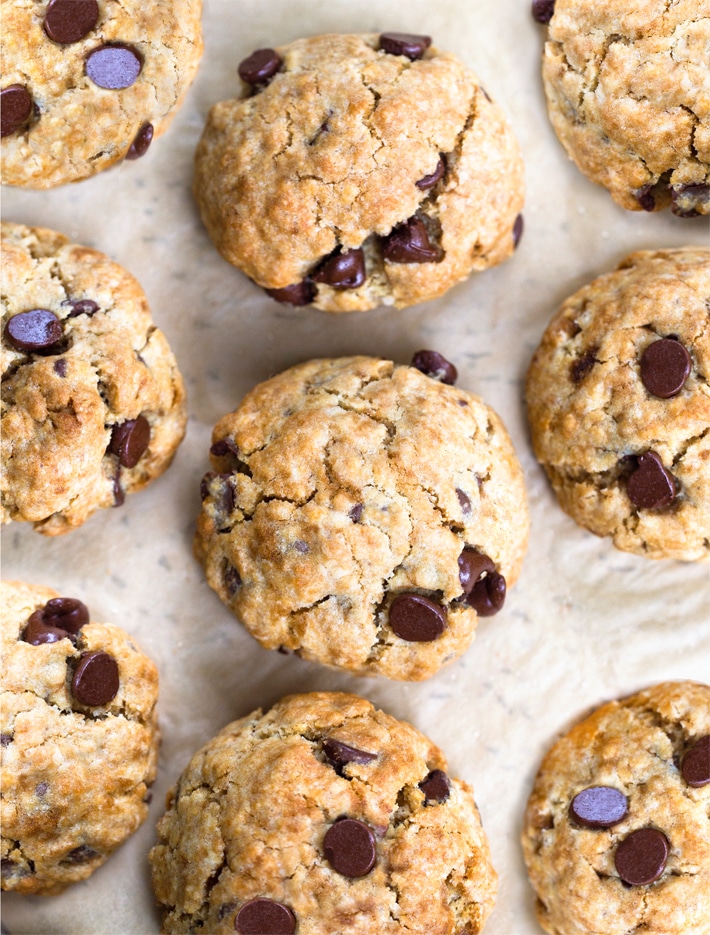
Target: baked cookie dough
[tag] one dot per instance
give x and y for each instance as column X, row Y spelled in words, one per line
column 628, row 94
column 619, row 408
column 79, row 739
column 93, row 405
column 617, row 829
column 356, row 171
column 363, row 514
column 322, row 815
column 86, row 83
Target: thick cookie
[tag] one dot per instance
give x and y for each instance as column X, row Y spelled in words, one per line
column 79, row 739
column 93, row 405
column 363, row 514
column 86, row 83
column 357, row 171
column 628, row 93
column 619, row 408
column 617, row 829
column 322, row 815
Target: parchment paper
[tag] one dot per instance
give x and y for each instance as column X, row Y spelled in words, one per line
column 584, row 623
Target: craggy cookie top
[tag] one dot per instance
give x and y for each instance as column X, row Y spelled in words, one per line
column 322, row 815
column 617, row 829
column 363, row 514
column 628, row 89
column 86, row 83
column 619, row 405
column 356, row 171
column 79, row 739
column 93, row 405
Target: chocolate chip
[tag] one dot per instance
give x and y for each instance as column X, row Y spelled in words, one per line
column 36, row 633
column 416, row 618
column 339, row 754
column 409, row 243
column 650, row 486
column 465, row 502
column 688, row 199
column 542, row 10
column 60, row 367
column 695, row 767
column 129, row 440
column 5, row 740
column 114, row 66
column 140, row 145
column 232, row 580
column 356, row 512
column 300, row 293
column 436, row 786
column 260, row 66
column 488, row 595
column 41, row 789
column 436, row 366
column 599, row 807
column 581, row 367
column 95, row 681
column 16, row 107
column 429, row 181
column 665, row 366
column 60, row 618
column 223, row 447
column 265, row 917
column 641, row 857
column 36, row 330
column 518, row 228
column 472, row 565
column 349, row 847
column 8, row 868
column 342, row 270
column 646, row 197
column 80, row 855
column 81, row 307
column 402, row 43
column 70, row 20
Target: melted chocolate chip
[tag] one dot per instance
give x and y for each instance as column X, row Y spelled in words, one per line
column 349, row 847
column 665, row 366
column 140, row 145
column 409, row 243
column 695, row 767
column 16, row 108
column 356, row 512
column 60, row 367
column 300, row 293
column 37, row 632
column 641, row 857
column 265, row 917
column 80, row 855
column 260, row 67
column 223, row 447
column 114, row 66
column 130, row 440
column 465, row 502
column 96, row 680
column 429, row 181
column 646, row 197
column 436, row 786
column 581, row 367
column 60, row 618
column 342, row 270
column 416, row 618
column 472, row 566
column 488, row 594
column 402, row 43
column 599, row 807
column 518, row 228
column 81, row 307
column 339, row 754
column 37, row 330
column 232, row 580
column 436, row 366
column 650, row 486
column 543, row 10
column 67, row 21
column 5, row 740
column 688, row 199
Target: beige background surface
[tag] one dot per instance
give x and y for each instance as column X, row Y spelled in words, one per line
column 584, row 623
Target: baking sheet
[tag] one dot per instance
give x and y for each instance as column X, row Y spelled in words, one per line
column 583, row 624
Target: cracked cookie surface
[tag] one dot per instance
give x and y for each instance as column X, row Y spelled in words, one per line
column 628, row 92
column 93, row 405
column 641, row 747
column 75, row 775
column 598, row 426
column 68, row 111
column 326, row 157
column 252, row 818
column 343, row 485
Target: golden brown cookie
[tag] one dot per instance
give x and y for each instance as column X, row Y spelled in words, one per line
column 79, row 739
column 86, row 83
column 619, row 408
column 322, row 815
column 93, row 405
column 363, row 514
column 357, row 171
column 617, row 829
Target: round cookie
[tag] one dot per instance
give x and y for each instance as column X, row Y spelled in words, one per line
column 79, row 739
column 617, row 829
column 619, row 409
column 87, row 83
column 322, row 815
column 357, row 171
column 628, row 94
column 93, row 405
column 363, row 515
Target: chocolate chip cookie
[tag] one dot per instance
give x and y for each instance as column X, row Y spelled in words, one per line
column 93, row 405
column 617, row 829
column 87, row 83
column 322, row 815
column 79, row 739
column 627, row 94
column 619, row 409
column 363, row 514
column 357, row 171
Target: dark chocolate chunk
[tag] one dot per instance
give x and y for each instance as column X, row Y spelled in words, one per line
column 68, row 21
column 60, row 367
column 650, row 486
column 114, row 66
column 36, row 330
column 665, row 366
column 265, row 917
column 518, row 228
column 688, row 199
column 130, row 440
column 581, row 367
column 342, row 270
column 465, row 501
column 81, row 307
column 140, row 145
column 488, row 594
column 339, row 754
column 472, row 566
column 80, row 855
column 646, row 198
column 349, row 847
column 402, row 43
column 300, row 293
column 599, row 807
column 542, row 10
column 16, row 107
column 260, row 66
column 695, row 767
column 356, row 512
column 95, row 681
column 409, row 243
column 641, row 857
column 417, row 619
column 436, row 786
column 429, row 181
column 436, row 366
